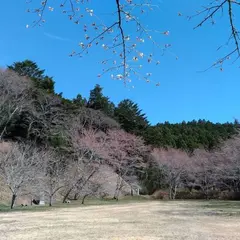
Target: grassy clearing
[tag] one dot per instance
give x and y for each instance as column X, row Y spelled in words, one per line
column 145, row 220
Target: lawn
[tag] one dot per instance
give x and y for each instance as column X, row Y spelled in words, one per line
column 156, row 220
column 88, row 202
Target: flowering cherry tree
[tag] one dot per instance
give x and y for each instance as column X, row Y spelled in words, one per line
column 174, row 163
column 126, row 155
column 88, row 146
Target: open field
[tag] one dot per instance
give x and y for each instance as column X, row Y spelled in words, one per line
column 144, row 220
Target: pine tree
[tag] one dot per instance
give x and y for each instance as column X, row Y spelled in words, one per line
column 131, row 117
column 98, row 101
column 80, row 101
column 27, row 68
column 30, row 69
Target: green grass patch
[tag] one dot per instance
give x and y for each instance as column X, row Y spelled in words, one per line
column 228, row 208
column 77, row 203
column 221, row 204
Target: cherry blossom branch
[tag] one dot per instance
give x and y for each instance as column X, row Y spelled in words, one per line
column 123, row 38
column 233, row 29
column 95, row 38
column 211, row 11
column 124, row 49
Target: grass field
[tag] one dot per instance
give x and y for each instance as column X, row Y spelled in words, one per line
column 156, row 220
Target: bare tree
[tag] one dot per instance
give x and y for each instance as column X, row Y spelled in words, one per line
column 91, row 189
column 173, row 163
column 230, row 174
column 18, row 166
column 43, row 115
column 14, row 98
column 203, row 171
column 228, row 170
column 51, row 176
column 77, row 175
column 20, row 101
column 126, row 155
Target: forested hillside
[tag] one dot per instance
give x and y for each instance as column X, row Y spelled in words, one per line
column 43, row 113
column 190, row 135
column 76, row 142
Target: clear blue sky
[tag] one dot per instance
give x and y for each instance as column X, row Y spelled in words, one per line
column 184, row 93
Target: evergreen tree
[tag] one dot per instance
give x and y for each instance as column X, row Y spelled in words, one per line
column 190, row 135
column 27, row 68
column 46, row 83
column 30, row 69
column 80, row 101
column 131, row 117
column 98, row 101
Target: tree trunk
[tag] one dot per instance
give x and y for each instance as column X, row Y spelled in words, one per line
column 116, row 194
column 170, row 192
column 84, row 198
column 66, row 195
column 174, row 192
column 50, row 200
column 131, row 191
column 207, row 193
column 76, row 196
column 118, row 188
column 14, row 196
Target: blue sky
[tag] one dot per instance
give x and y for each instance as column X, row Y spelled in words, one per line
column 184, row 92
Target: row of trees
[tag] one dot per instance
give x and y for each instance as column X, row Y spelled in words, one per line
column 47, row 127
column 29, row 170
column 208, row 173
column 190, row 135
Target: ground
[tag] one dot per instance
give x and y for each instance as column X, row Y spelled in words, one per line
column 156, row 220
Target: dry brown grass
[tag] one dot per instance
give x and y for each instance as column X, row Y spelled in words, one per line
column 148, row 220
